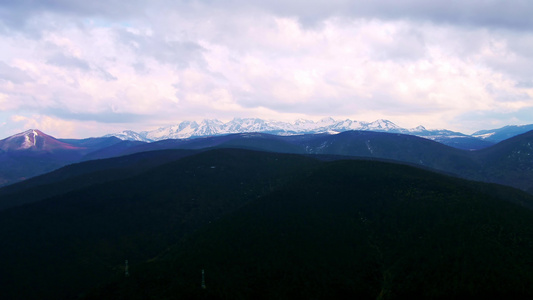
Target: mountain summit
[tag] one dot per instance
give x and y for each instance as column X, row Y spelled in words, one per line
column 33, row 140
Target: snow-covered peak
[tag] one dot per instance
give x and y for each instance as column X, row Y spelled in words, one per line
column 32, row 132
column 22, row 141
column 418, row 128
column 34, row 140
column 326, row 121
column 29, row 138
column 239, row 125
column 211, row 121
column 382, row 124
column 347, row 125
column 302, row 122
column 209, row 127
column 129, row 135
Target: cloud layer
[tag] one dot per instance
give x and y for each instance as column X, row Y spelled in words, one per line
column 79, row 68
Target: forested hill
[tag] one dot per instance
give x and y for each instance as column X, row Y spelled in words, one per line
column 351, row 229
column 270, row 225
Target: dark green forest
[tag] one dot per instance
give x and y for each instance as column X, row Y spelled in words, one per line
column 269, row 226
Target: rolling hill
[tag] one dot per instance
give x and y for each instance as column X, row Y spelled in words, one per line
column 264, row 225
column 500, row 163
column 508, row 162
column 350, row 229
column 69, row 242
column 85, row 174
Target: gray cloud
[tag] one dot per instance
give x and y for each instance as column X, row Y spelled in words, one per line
column 102, row 73
column 506, row 96
column 526, row 84
column 71, row 62
column 495, row 118
column 16, row 14
column 163, row 49
column 62, row 60
column 13, row 74
column 515, row 14
column 104, row 116
column 498, row 13
column 406, row 44
column 176, row 59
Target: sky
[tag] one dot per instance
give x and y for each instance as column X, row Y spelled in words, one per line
column 78, row 68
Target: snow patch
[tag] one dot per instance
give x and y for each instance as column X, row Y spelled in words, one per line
column 485, row 136
column 369, row 147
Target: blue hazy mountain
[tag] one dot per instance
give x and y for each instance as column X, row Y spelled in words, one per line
column 503, row 133
column 485, row 164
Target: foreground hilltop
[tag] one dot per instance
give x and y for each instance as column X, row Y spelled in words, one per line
column 350, row 229
column 263, row 225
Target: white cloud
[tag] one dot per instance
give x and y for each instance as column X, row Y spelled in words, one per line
column 154, row 63
column 54, row 126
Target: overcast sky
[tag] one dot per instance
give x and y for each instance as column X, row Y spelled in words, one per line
column 76, row 68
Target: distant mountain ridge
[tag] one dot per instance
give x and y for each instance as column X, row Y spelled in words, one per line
column 32, row 152
column 503, row 133
column 192, row 129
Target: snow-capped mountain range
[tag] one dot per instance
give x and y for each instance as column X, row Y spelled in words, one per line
column 192, row 129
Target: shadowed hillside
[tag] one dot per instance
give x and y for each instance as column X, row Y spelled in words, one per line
column 65, row 244
column 263, row 225
column 85, row 174
column 508, row 162
column 351, row 229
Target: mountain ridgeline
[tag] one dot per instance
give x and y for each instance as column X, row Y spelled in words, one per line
column 188, row 129
column 508, row 162
column 262, row 225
